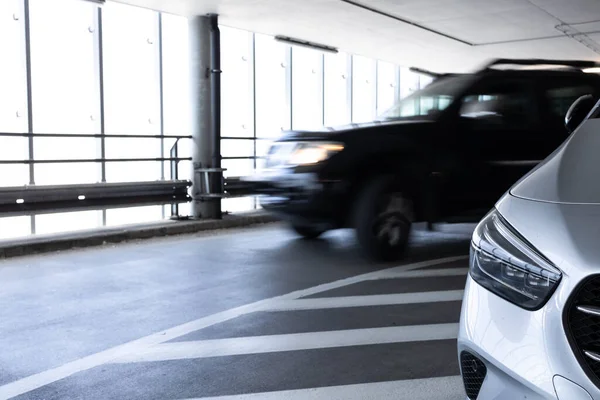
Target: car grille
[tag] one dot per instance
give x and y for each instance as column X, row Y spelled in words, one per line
column 473, row 372
column 582, row 323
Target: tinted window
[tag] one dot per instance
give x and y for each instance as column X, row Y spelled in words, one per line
column 501, row 102
column 562, row 94
column 430, row 101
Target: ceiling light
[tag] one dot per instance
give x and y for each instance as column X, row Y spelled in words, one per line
column 305, row 43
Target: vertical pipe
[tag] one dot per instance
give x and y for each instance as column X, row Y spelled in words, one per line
column 29, row 90
column 349, row 87
column 322, row 84
column 289, row 85
column 202, row 113
column 397, row 85
column 252, row 64
column 100, row 66
column 215, row 62
column 375, row 90
column 161, row 96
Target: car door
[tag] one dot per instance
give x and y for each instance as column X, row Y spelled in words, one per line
column 496, row 142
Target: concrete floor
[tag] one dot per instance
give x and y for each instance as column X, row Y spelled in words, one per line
column 240, row 312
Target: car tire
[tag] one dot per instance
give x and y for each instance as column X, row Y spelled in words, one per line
column 308, row 231
column 382, row 219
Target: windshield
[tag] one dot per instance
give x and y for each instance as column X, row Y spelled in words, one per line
column 428, row 102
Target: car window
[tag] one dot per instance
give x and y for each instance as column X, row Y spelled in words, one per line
column 561, row 95
column 430, row 101
column 503, row 103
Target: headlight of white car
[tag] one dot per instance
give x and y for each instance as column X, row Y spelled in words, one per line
column 503, row 262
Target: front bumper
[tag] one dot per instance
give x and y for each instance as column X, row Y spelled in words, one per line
column 526, row 353
column 300, row 196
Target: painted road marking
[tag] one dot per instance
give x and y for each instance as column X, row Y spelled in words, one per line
column 292, row 342
column 445, row 388
column 429, row 273
column 47, row 377
column 365, row 301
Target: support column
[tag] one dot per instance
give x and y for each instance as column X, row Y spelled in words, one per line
column 201, row 111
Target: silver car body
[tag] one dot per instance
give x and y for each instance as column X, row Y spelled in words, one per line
column 556, row 208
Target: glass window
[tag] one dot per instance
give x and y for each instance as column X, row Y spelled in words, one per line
column 131, row 75
column 64, row 173
column 272, row 105
column 240, row 204
column 427, row 103
column 386, row 86
column 175, row 77
column 336, row 89
column 65, row 85
column 13, row 81
column 363, row 89
column 65, row 89
column 135, row 171
column 133, row 215
column 307, row 81
column 66, row 222
column 236, row 168
column 176, row 113
column 132, row 89
column 562, row 94
column 14, row 227
column 424, row 81
column 237, row 148
column 13, row 93
column 502, row 103
column 236, row 83
column 409, row 82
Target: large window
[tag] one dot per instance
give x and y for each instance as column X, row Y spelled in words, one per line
column 65, row 89
column 137, row 61
column 131, row 90
column 272, row 93
column 13, row 93
column 307, row 88
column 337, row 89
column 363, row 89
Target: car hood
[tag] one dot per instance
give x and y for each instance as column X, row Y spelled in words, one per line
column 350, row 129
column 570, row 174
column 567, row 234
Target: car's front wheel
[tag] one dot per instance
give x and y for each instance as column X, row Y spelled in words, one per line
column 383, row 218
column 308, row 231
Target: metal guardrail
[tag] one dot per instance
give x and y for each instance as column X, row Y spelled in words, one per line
column 34, row 199
column 37, row 199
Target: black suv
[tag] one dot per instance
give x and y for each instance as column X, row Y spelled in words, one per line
column 444, row 153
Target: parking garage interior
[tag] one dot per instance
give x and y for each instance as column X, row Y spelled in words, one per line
column 136, row 259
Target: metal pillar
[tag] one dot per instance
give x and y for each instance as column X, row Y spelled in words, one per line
column 201, row 110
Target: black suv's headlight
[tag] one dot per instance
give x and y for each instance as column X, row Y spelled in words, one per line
column 503, row 262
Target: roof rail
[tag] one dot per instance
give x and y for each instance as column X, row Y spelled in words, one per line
column 579, row 64
column 426, row 72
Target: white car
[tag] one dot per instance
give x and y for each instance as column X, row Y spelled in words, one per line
column 530, row 322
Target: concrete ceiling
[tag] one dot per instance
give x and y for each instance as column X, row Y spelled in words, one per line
column 441, row 35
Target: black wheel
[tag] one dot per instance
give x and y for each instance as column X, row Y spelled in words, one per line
column 383, row 217
column 308, row 231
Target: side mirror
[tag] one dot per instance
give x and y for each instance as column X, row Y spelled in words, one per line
column 578, row 111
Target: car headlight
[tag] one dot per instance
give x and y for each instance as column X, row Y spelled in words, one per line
column 312, row 153
column 503, row 262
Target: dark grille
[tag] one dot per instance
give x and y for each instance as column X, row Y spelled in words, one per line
column 583, row 328
column 473, row 373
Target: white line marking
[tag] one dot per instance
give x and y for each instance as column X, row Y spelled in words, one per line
column 292, row 342
column 428, row 273
column 446, row 388
column 365, row 301
column 47, row 377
